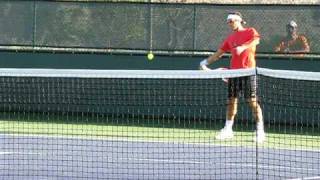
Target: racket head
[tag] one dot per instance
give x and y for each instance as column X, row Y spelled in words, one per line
column 206, row 68
column 223, row 79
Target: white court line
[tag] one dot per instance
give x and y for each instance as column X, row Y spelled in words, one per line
column 192, row 162
column 307, row 178
column 19, row 153
column 122, row 139
column 186, row 162
column 225, row 164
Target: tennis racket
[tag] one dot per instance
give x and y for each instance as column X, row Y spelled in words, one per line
column 223, row 79
column 206, row 68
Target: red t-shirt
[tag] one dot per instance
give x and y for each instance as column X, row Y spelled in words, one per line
column 247, row 58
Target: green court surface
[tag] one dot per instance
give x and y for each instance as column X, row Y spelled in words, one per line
column 289, row 140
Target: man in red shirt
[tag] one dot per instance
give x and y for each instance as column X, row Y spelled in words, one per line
column 241, row 43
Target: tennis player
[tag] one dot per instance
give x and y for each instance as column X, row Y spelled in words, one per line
column 241, row 43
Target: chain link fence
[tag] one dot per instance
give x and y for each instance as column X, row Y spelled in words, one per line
column 147, row 26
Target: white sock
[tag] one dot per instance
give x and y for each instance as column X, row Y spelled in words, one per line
column 229, row 124
column 260, row 126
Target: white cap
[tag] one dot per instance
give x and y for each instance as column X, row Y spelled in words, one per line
column 293, row 24
column 234, row 17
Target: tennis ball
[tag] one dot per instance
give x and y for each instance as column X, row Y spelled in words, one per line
column 150, row 56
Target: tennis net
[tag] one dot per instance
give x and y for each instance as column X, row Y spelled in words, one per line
column 159, row 124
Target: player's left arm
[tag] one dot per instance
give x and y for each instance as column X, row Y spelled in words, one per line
column 249, row 44
column 254, row 41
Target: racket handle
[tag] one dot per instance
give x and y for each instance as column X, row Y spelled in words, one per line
column 205, row 68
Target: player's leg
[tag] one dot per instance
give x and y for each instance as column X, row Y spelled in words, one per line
column 232, row 105
column 257, row 112
column 227, row 132
column 251, row 96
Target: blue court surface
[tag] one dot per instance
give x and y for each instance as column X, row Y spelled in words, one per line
column 45, row 157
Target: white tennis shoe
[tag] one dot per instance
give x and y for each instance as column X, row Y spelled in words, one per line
column 225, row 133
column 259, row 136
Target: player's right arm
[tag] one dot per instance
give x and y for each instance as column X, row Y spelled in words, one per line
column 214, row 57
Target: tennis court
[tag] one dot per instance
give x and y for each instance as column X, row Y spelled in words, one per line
column 59, row 119
column 140, row 124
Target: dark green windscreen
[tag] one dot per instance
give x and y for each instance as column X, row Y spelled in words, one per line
column 187, row 27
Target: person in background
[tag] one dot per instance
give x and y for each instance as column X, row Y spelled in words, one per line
column 293, row 42
column 241, row 43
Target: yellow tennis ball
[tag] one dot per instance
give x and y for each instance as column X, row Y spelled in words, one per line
column 150, row 56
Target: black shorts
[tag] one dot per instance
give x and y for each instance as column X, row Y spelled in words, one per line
column 242, row 85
